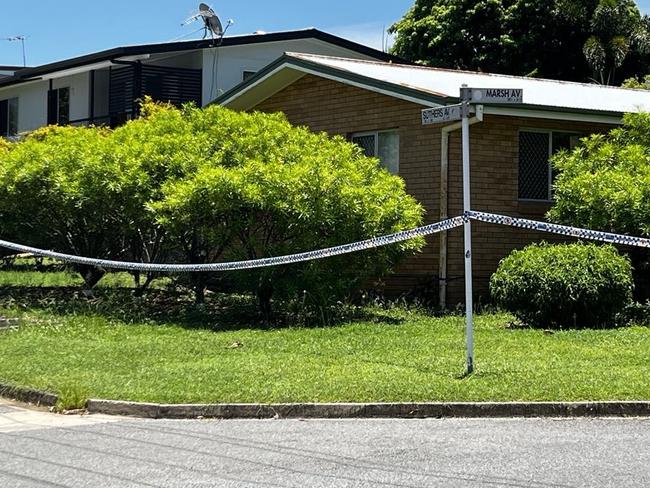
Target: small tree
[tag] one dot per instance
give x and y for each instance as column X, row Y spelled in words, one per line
column 67, row 188
column 616, row 29
column 263, row 188
column 605, row 184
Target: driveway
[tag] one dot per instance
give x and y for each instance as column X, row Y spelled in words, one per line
column 41, row 449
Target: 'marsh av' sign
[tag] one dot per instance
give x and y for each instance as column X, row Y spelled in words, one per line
column 497, row 95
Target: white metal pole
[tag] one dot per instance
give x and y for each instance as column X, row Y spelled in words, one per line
column 469, row 303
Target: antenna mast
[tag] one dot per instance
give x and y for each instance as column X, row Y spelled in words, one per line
column 20, row 38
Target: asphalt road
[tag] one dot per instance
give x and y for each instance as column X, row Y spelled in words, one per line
column 40, row 449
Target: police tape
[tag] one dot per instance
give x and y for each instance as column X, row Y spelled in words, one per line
column 593, row 235
column 375, row 242
column 240, row 265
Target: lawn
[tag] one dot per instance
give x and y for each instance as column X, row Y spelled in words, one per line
column 164, row 349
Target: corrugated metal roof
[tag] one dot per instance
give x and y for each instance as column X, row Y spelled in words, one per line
column 540, row 92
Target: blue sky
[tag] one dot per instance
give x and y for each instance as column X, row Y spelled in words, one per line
column 67, row 28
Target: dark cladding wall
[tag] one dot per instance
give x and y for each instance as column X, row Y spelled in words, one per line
column 325, row 105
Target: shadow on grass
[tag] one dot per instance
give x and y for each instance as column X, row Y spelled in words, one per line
column 220, row 312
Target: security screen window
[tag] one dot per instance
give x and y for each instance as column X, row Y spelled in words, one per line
column 536, row 173
column 383, row 145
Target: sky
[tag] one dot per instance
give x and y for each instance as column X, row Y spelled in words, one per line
column 67, row 28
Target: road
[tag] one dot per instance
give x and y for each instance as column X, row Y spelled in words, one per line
column 39, row 449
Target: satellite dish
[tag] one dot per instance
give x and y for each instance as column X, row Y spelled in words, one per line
column 211, row 20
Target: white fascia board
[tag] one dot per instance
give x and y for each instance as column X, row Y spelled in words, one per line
column 90, row 67
column 390, row 93
column 242, row 95
column 304, row 70
column 545, row 114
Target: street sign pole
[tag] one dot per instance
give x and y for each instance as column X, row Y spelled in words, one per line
column 465, row 96
column 471, row 100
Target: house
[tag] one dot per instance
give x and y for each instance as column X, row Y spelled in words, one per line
column 104, row 87
column 378, row 106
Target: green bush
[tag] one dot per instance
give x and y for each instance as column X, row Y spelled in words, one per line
column 208, row 185
column 567, row 285
column 604, row 184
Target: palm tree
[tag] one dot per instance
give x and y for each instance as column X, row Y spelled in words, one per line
column 617, row 27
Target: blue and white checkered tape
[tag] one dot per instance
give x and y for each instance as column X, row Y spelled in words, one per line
column 593, row 235
column 375, row 242
column 257, row 263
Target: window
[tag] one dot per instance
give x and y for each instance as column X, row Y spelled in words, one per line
column 9, row 117
column 58, row 106
column 247, row 74
column 383, row 145
column 535, row 171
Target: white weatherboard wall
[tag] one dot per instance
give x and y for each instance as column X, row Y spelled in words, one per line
column 229, row 63
column 79, row 94
column 32, row 104
column 32, row 100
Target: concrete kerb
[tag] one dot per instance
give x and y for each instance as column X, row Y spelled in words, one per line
column 340, row 410
column 370, row 410
column 28, row 395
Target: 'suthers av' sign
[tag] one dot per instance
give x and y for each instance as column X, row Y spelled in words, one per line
column 440, row 115
column 497, row 95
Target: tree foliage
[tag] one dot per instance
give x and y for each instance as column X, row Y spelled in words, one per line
column 207, row 185
column 640, row 83
column 563, row 39
column 274, row 190
column 604, row 184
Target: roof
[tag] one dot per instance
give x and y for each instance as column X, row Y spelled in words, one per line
column 435, row 86
column 30, row 73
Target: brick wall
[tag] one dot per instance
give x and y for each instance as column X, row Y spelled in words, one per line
column 325, row 105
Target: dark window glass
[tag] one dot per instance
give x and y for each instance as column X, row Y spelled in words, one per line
column 247, row 74
column 63, row 109
column 4, row 117
column 12, row 117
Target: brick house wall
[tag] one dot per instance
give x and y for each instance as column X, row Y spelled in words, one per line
column 337, row 108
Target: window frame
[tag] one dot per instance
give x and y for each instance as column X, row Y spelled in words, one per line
column 550, row 133
column 376, row 133
column 248, row 73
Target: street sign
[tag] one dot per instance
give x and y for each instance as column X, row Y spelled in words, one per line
column 440, row 115
column 496, row 95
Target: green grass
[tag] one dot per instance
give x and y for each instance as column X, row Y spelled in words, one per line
column 56, row 279
column 411, row 357
column 164, row 349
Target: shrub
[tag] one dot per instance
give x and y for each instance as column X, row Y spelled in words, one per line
column 208, row 185
column 259, row 187
column 604, row 184
column 565, row 285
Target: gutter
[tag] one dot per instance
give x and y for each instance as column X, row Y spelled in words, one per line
column 444, row 202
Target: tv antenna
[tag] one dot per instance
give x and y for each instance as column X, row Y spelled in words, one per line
column 20, row 38
column 212, row 24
